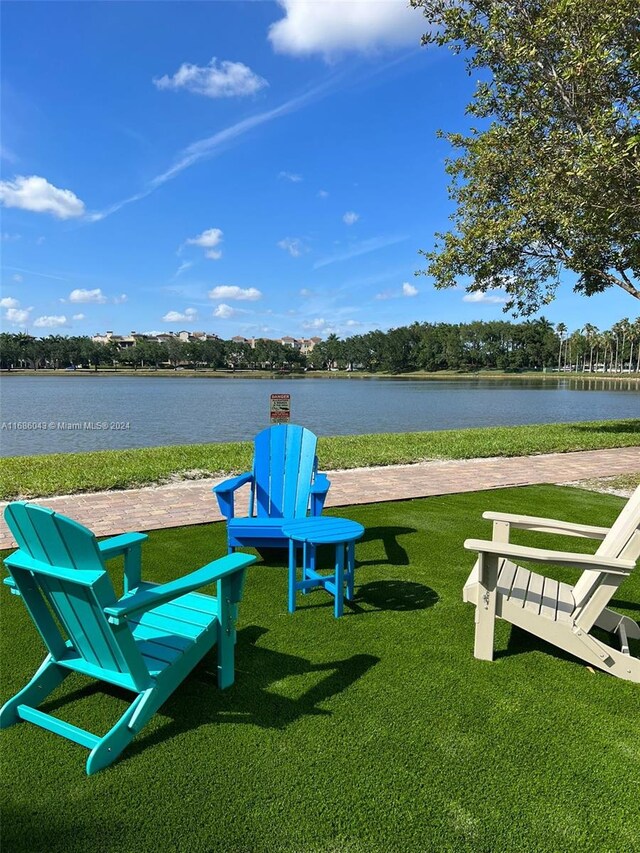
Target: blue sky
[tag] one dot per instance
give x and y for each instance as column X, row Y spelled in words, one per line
column 255, row 168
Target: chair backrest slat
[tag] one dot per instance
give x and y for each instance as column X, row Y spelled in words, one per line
column 293, row 479
column 52, row 538
column 284, row 467
column 622, row 532
column 277, row 470
column 261, row 488
column 63, row 544
column 307, row 468
column 77, row 608
column 622, row 540
column 21, row 524
column 36, row 605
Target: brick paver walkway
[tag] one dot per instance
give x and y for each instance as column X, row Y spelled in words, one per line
column 191, row 502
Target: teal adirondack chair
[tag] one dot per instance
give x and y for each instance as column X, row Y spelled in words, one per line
column 285, row 484
column 146, row 642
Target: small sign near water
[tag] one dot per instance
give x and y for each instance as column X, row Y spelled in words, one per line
column 280, row 408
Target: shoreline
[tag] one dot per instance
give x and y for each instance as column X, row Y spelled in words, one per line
column 87, row 471
column 325, row 374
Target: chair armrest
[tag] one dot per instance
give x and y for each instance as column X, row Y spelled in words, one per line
column 319, row 490
column 117, row 545
column 233, row 483
column 129, row 544
column 20, row 560
column 609, row 565
column 224, row 492
column 147, row 599
column 547, row 525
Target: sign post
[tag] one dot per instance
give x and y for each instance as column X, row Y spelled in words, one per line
column 280, row 408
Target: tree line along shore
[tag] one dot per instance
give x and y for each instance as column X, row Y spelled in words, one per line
column 498, row 346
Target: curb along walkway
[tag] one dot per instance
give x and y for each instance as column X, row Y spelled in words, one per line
column 191, row 501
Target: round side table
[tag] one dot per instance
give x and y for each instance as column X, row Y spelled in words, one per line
column 322, row 530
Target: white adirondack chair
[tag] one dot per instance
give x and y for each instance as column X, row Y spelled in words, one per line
column 557, row 612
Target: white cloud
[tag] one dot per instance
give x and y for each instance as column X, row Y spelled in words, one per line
column 17, row 278
column 78, row 317
column 223, row 311
column 9, row 302
column 292, row 245
column 290, row 176
column 50, row 322
column 18, row 316
column 82, row 295
column 216, row 80
column 407, row 290
column 316, row 323
column 208, row 240
column 185, row 265
column 227, row 291
column 190, row 315
column 350, row 217
column 352, row 323
column 10, row 238
column 336, row 26
column 486, row 298
column 306, row 293
column 118, row 300
column 323, row 194
column 38, row 195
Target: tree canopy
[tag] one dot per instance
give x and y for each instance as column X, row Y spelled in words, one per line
column 492, row 345
column 550, row 176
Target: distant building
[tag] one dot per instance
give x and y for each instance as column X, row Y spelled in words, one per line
column 239, row 339
column 307, row 344
column 304, row 345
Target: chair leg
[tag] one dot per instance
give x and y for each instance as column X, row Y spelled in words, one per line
column 486, row 607
column 226, row 659
column 292, row 576
column 120, row 736
column 351, row 568
column 307, row 551
column 47, row 678
column 339, row 581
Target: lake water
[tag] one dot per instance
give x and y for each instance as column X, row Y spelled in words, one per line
column 150, row 411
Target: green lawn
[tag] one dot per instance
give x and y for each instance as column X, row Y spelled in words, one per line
column 66, row 473
column 375, row 732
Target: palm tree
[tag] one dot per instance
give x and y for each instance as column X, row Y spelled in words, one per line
column 576, row 345
column 607, row 343
column 620, row 329
column 626, row 330
column 634, row 337
column 591, row 334
column 561, row 331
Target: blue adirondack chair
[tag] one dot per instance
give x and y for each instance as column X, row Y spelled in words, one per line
column 285, row 484
column 147, row 641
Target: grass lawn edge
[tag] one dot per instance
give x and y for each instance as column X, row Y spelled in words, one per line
column 72, row 473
